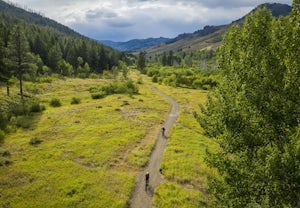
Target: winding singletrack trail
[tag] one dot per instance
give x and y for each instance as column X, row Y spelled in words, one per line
column 140, row 198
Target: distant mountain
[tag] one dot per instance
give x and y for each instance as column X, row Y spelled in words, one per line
column 34, row 18
column 209, row 37
column 136, row 44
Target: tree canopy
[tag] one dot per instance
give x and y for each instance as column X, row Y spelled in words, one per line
column 254, row 114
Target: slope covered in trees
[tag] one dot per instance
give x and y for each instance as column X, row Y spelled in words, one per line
column 254, row 114
column 30, row 16
column 55, row 48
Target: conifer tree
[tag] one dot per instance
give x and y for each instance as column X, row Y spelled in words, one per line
column 18, row 54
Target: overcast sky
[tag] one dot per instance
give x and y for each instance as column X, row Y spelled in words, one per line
column 122, row 20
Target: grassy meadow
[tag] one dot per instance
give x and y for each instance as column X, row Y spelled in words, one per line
column 183, row 163
column 90, row 153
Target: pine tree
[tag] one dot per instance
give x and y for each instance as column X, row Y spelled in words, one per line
column 18, row 54
column 141, row 62
column 4, row 72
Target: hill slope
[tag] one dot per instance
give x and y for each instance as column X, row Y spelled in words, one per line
column 32, row 17
column 59, row 48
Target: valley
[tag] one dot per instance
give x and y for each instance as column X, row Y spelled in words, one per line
column 92, row 152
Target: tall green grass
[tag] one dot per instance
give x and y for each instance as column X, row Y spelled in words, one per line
column 90, row 153
column 183, row 162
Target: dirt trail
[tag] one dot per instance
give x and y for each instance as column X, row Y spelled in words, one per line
column 140, row 198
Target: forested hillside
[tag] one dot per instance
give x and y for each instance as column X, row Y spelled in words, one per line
column 30, row 16
column 53, row 48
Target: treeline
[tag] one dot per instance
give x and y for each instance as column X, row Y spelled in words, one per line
column 196, row 70
column 254, row 114
column 206, row 59
column 55, row 52
column 30, row 16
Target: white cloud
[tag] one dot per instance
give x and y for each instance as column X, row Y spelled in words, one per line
column 128, row 19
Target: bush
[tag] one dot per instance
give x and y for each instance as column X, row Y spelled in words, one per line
column 20, row 109
column 2, row 135
column 5, row 154
column 98, row 95
column 75, row 101
column 35, row 141
column 55, row 102
column 3, row 121
column 36, row 107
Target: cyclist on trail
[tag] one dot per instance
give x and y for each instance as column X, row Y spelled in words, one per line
column 163, row 131
column 147, row 178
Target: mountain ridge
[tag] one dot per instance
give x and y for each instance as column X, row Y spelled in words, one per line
column 135, row 44
column 208, row 37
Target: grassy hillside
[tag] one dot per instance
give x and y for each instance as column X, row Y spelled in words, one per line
column 190, row 43
column 89, row 153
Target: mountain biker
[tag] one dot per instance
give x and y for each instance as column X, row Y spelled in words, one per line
column 163, row 131
column 147, row 178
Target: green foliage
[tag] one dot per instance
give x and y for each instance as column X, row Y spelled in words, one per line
column 18, row 47
column 254, row 115
column 126, row 87
column 181, row 77
column 2, row 136
column 55, row 102
column 35, row 141
column 75, row 100
column 3, row 120
column 99, row 95
column 55, row 52
column 37, row 107
column 141, row 62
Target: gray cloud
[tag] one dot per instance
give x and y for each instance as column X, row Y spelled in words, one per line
column 129, row 19
column 99, row 13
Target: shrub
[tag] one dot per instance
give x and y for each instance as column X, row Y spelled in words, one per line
column 19, row 109
column 5, row 154
column 2, row 135
column 109, row 89
column 140, row 80
column 75, row 101
column 3, row 121
column 98, row 95
column 55, row 102
column 128, row 87
column 36, row 107
column 35, row 141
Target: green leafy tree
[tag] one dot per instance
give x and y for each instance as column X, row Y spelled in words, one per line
column 18, row 54
column 254, row 114
column 123, row 67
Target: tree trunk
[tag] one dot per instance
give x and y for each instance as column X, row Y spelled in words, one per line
column 21, row 85
column 7, row 88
